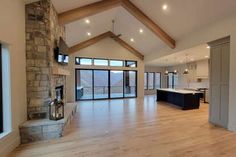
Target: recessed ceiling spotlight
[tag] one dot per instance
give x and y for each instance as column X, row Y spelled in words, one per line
column 87, row 21
column 206, row 56
column 141, row 30
column 132, row 39
column 165, row 7
column 208, row 47
column 89, row 34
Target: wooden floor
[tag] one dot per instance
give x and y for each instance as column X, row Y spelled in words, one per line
column 136, row 128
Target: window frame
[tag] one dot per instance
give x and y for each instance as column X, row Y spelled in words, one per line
column 173, row 84
column 126, row 65
column 123, row 62
column 1, row 92
column 83, row 58
column 146, row 87
column 155, row 79
column 109, row 85
column 93, row 61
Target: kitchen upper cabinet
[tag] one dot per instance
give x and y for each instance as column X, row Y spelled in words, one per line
column 202, row 71
column 219, row 81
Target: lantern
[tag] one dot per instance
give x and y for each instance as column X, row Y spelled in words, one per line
column 56, row 110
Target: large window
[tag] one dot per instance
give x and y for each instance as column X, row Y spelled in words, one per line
column 1, row 102
column 101, row 62
column 145, row 80
column 170, row 80
column 83, row 61
column 105, row 62
column 131, row 64
column 157, row 80
column 150, row 81
column 116, row 63
column 176, row 80
column 105, row 84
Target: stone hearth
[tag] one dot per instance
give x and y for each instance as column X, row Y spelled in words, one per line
column 45, row 129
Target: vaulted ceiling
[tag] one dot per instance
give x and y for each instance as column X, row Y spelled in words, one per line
column 197, row 53
column 180, row 18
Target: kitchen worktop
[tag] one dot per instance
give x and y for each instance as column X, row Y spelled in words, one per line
column 181, row 91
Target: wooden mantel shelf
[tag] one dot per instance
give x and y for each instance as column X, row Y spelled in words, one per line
column 60, row 71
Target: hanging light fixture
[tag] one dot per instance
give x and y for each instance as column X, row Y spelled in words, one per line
column 186, row 69
column 166, row 71
column 175, row 71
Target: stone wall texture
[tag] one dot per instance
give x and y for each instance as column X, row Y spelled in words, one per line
column 42, row 36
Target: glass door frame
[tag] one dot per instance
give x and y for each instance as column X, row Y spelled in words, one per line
column 109, row 85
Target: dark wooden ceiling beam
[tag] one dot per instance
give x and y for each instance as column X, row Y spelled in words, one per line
column 89, row 42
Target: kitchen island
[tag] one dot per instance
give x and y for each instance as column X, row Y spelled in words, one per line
column 185, row 99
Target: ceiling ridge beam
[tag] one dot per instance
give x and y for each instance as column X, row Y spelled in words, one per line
column 142, row 17
column 87, row 10
column 98, row 38
column 89, row 42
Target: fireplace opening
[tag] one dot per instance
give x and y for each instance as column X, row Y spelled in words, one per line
column 59, row 93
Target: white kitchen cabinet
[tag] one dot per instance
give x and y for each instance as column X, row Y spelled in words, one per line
column 202, row 71
column 219, row 82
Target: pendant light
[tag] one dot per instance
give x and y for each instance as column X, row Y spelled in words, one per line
column 175, row 71
column 186, row 68
column 166, row 71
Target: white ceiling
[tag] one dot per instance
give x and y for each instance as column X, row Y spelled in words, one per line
column 102, row 22
column 185, row 16
column 197, row 53
column 181, row 18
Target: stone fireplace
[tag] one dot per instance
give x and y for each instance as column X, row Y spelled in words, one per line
column 46, row 79
column 42, row 34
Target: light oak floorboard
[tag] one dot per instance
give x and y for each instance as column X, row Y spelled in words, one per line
column 136, row 128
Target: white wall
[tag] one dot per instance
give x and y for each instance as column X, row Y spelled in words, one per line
column 209, row 33
column 12, row 33
column 108, row 49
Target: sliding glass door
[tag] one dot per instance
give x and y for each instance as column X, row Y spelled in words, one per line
column 101, row 84
column 84, row 84
column 130, row 84
column 116, row 84
column 105, row 84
